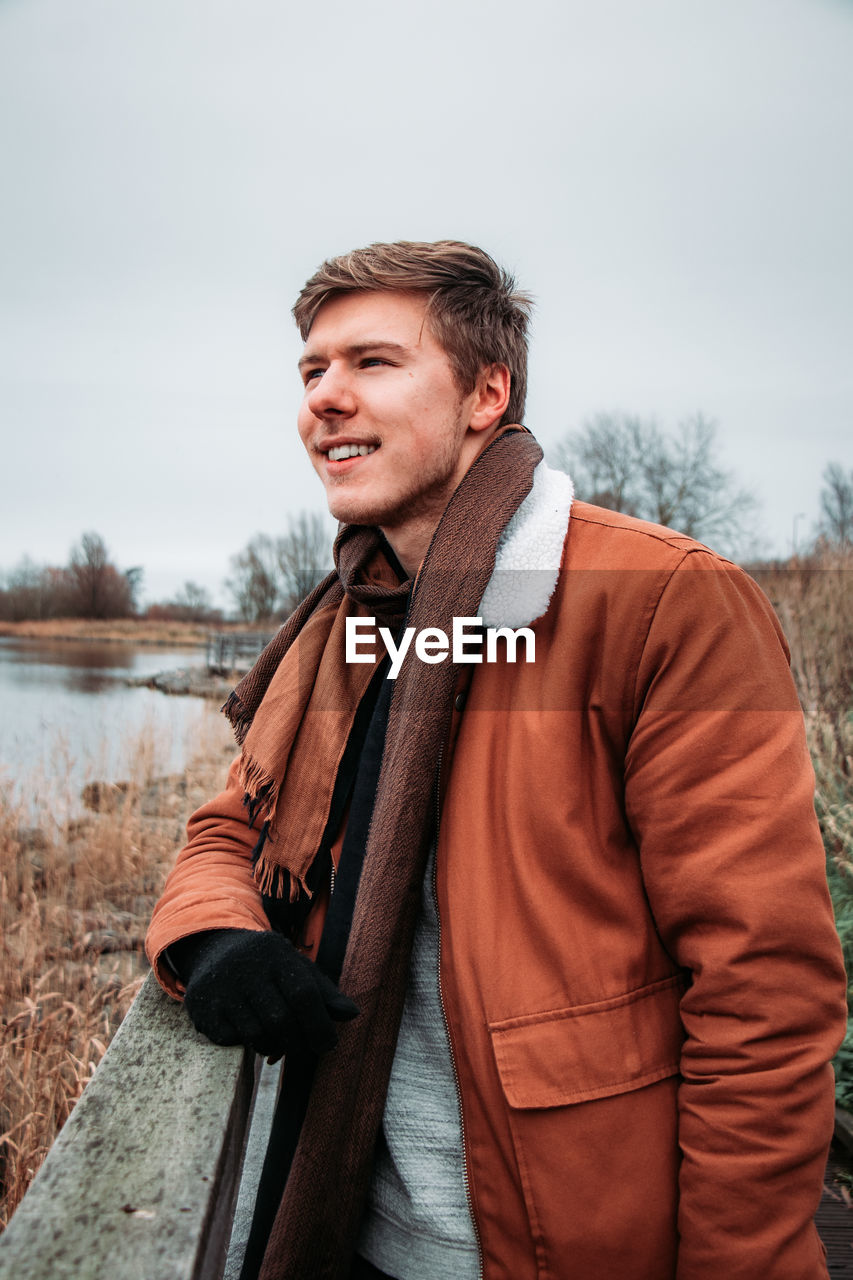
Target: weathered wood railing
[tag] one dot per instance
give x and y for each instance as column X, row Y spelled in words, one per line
column 234, row 650
column 142, row 1182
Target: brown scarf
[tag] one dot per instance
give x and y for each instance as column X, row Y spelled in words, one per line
column 292, row 714
column 305, row 697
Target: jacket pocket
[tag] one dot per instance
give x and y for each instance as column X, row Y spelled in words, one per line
column 591, row 1051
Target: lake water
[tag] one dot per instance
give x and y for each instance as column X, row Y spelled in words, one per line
column 67, row 716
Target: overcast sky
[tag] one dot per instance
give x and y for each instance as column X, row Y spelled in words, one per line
column 673, row 179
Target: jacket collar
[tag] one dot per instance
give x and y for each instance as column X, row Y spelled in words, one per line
column 530, row 551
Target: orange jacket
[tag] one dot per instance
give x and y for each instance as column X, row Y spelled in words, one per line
column 639, row 969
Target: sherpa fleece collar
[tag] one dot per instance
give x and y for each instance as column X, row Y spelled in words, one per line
column 529, row 553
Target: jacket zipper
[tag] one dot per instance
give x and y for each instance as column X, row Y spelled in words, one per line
column 465, row 1178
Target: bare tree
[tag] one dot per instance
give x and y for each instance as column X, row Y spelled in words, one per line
column 271, row 575
column 629, row 464
column 134, row 578
column 602, row 459
column 193, row 602
column 836, row 504
column 304, row 557
column 254, row 580
column 89, row 586
column 97, row 588
column 87, row 568
column 30, row 591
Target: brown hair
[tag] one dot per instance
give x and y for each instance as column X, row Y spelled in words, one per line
column 474, row 309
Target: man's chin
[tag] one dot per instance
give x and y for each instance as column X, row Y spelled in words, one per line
column 357, row 513
column 352, row 508
column 403, row 510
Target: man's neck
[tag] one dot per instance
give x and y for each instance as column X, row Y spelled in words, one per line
column 410, row 544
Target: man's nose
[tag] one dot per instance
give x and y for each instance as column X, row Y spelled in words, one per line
column 331, row 394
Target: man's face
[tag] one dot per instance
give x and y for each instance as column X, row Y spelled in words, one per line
column 382, row 418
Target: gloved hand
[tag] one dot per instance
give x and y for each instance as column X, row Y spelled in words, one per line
column 253, row 988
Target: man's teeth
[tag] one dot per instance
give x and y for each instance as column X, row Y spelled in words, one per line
column 342, row 451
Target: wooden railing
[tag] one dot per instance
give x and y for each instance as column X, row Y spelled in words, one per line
column 142, row 1182
column 234, row 650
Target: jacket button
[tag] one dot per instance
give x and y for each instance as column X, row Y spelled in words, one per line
column 459, row 701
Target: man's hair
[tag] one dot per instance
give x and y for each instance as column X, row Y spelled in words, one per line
column 474, row 310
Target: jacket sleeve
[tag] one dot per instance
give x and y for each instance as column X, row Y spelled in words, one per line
column 719, row 793
column 211, row 884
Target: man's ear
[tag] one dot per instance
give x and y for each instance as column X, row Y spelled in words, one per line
column 491, row 397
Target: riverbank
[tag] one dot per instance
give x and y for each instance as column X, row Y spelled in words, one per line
column 140, row 631
column 108, row 631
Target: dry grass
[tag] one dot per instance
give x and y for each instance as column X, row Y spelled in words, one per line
column 75, row 899
column 814, row 599
column 125, row 630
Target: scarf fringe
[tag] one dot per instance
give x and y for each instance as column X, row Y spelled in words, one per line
column 259, row 847
column 272, row 880
column 261, row 790
column 235, row 710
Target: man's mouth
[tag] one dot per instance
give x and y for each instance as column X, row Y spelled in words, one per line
column 342, row 451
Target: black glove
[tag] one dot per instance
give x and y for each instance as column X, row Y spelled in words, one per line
column 253, row 988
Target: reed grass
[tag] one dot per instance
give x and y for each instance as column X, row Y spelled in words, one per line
column 814, row 600
column 813, row 596
column 75, row 898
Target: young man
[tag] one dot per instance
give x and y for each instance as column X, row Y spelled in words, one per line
column 578, row 954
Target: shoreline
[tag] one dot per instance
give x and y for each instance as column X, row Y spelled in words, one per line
column 193, row 682
column 138, row 631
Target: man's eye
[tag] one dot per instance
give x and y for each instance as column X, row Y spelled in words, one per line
column 369, row 361
column 311, row 374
